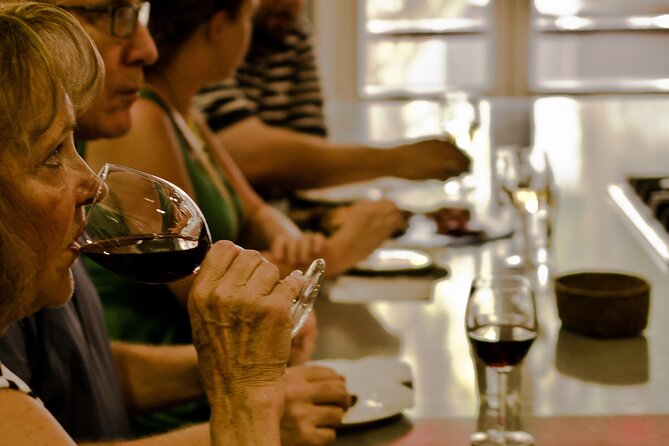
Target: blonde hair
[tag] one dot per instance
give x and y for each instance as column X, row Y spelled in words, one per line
column 46, row 59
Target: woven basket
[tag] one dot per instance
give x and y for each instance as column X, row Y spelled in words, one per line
column 602, row 303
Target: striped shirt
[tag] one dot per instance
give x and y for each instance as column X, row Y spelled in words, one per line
column 8, row 380
column 280, row 85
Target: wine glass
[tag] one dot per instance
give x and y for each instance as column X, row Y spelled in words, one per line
column 525, row 176
column 148, row 230
column 501, row 326
column 460, row 119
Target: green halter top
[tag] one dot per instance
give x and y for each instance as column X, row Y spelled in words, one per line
column 222, row 209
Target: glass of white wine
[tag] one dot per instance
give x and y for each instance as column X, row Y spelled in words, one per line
column 526, row 178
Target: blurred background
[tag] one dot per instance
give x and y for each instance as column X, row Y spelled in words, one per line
column 372, row 49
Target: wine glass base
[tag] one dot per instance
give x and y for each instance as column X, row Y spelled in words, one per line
column 499, row 438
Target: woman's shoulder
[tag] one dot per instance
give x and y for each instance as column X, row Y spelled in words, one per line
column 9, row 380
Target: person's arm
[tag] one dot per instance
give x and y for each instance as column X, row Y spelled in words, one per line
column 285, row 160
column 368, row 224
column 240, row 318
column 25, row 422
column 154, row 377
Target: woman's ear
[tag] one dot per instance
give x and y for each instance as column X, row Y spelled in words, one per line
column 216, row 26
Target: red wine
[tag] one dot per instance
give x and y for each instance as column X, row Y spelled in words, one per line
column 501, row 345
column 149, row 258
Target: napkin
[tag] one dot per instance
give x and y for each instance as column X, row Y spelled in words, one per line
column 359, row 286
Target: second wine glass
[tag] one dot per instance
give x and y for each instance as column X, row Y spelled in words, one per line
column 148, row 230
column 501, row 326
column 525, row 176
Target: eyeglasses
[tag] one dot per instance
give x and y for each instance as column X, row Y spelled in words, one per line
column 124, row 18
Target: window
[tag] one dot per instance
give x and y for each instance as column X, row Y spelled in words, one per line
column 580, row 46
column 412, row 48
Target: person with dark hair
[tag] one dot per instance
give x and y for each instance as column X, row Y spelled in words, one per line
column 270, row 117
column 51, row 75
column 200, row 41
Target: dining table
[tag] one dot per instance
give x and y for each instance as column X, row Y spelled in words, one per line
column 571, row 389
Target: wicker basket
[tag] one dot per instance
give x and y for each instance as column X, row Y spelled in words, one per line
column 601, row 303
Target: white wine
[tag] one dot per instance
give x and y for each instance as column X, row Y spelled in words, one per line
column 529, row 200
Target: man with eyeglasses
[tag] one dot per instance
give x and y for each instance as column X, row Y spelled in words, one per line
column 120, row 33
column 64, row 354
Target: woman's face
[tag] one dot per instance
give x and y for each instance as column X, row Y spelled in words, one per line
column 238, row 38
column 48, row 188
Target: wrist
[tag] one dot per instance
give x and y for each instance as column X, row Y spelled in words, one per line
column 251, row 415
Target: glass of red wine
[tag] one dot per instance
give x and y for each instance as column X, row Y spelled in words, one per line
column 148, row 230
column 501, row 324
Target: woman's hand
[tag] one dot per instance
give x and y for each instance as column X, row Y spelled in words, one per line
column 316, row 401
column 298, row 250
column 362, row 227
column 240, row 317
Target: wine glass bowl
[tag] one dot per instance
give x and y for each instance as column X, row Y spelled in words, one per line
column 501, row 325
column 525, row 177
column 144, row 228
column 148, row 230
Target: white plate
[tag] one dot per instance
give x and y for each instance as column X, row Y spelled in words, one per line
column 422, row 232
column 377, row 399
column 364, row 190
column 428, row 196
column 395, row 260
column 375, row 381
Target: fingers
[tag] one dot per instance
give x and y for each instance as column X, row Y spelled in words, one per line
column 278, row 248
column 328, row 416
column 317, row 373
column 263, row 278
column 289, row 287
column 331, row 392
column 242, row 268
column 218, row 261
column 298, row 251
column 312, row 248
column 320, row 385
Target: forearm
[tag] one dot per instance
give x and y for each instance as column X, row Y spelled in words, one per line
column 265, row 224
column 252, row 418
column 271, row 156
column 153, row 377
column 244, row 425
column 198, row 435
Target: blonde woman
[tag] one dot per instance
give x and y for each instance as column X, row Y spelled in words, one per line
column 51, row 73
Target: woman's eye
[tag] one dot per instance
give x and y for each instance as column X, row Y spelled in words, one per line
column 54, row 158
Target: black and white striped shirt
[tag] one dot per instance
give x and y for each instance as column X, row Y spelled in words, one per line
column 8, row 380
column 280, row 85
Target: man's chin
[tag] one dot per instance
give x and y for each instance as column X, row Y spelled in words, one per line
column 104, row 127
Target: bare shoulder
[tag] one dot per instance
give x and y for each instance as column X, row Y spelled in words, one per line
column 151, row 145
column 25, row 421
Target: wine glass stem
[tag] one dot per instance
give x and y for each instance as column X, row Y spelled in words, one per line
column 501, row 410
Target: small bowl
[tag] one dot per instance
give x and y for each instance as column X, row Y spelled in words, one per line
column 601, row 303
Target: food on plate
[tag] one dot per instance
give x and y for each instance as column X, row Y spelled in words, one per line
column 453, row 221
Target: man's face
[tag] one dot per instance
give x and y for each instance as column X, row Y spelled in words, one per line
column 276, row 17
column 124, row 59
